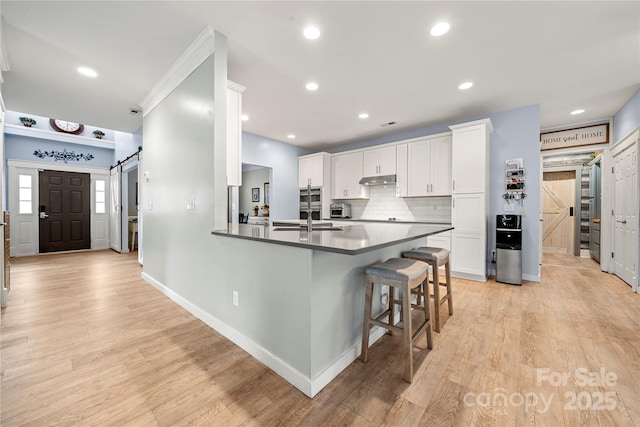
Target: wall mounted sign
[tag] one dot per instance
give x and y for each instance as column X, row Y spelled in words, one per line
column 588, row 135
column 63, row 155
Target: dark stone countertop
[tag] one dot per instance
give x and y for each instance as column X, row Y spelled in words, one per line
column 349, row 240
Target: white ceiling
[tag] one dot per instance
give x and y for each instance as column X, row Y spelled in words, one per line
column 374, row 56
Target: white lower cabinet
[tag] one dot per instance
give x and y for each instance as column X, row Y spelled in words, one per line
column 468, row 239
column 468, row 213
column 468, row 255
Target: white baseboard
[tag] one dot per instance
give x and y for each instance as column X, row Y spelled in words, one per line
column 308, row 386
column 326, row 376
column 468, row 276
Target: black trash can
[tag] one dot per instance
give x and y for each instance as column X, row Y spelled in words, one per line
column 509, row 249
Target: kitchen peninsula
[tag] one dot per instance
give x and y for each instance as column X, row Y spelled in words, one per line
column 301, row 294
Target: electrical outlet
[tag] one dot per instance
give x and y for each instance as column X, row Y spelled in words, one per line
column 508, row 207
column 235, row 299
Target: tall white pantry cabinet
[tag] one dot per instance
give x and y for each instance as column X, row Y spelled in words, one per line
column 470, row 199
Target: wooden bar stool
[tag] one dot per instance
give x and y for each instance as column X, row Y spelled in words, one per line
column 436, row 257
column 404, row 274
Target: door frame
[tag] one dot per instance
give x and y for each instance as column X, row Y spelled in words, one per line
column 16, row 166
column 577, row 209
column 632, row 138
column 127, row 167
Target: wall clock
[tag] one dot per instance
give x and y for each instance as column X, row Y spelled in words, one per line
column 66, row 127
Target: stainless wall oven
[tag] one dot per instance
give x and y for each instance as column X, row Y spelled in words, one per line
column 315, row 196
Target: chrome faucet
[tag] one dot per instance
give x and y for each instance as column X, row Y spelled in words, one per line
column 309, row 220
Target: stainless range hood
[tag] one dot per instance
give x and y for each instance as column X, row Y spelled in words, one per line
column 378, row 180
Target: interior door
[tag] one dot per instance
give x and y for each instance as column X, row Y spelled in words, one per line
column 626, row 215
column 115, row 207
column 559, row 195
column 65, row 211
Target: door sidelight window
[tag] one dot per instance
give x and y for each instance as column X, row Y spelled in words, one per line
column 25, row 198
column 100, row 196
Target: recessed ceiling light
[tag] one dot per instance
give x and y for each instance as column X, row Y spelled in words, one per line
column 311, row 33
column 363, row 115
column 574, row 112
column 244, row 117
column 465, row 85
column 439, row 29
column 291, row 136
column 87, row 72
column 312, row 86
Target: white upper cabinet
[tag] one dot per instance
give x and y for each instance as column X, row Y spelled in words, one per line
column 346, row 172
column 314, row 169
column 380, row 161
column 402, row 170
column 471, row 157
column 441, row 166
column 429, row 167
column 234, row 133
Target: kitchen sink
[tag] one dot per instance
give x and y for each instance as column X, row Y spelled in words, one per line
column 304, row 228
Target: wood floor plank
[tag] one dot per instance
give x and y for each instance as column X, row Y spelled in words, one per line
column 84, row 341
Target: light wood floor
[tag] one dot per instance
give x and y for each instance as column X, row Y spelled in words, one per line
column 86, row 342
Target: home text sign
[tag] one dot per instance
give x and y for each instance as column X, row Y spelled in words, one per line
column 589, row 135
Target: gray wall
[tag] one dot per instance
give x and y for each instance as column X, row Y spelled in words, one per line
column 126, row 144
column 19, row 147
column 517, row 134
column 283, row 160
column 627, row 119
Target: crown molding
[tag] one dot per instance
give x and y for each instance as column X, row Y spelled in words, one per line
column 201, row 48
column 235, row 86
column 486, row 122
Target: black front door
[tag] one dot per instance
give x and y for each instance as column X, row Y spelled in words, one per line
column 65, row 211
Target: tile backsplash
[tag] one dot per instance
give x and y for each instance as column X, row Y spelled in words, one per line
column 383, row 204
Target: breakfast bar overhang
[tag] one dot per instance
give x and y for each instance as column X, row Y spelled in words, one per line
column 301, row 294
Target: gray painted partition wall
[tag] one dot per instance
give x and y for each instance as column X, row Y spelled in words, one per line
column 179, row 157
